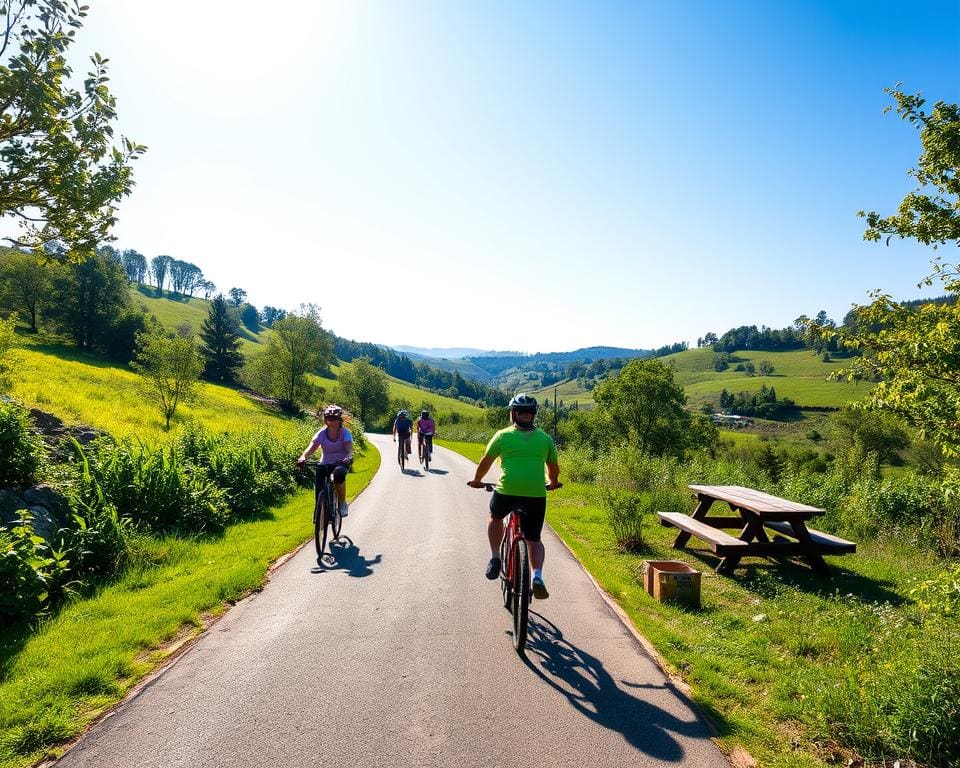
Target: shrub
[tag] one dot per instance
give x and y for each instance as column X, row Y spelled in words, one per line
column 27, row 568
column 95, row 543
column 624, row 511
column 21, row 449
column 578, row 465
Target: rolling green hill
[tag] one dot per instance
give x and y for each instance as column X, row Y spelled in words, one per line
column 800, row 375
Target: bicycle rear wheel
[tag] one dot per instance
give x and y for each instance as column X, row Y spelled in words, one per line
column 521, row 597
column 426, row 456
column 334, row 506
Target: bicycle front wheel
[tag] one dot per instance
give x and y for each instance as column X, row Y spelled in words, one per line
column 319, row 525
column 521, row 596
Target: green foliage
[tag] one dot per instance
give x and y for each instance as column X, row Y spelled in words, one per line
column 221, row 343
column 26, row 282
column 625, row 515
column 62, row 178
column 8, row 342
column 875, row 432
column 362, row 388
column 297, row 346
column 27, row 568
column 154, row 487
column 940, row 594
column 21, row 449
column 170, row 367
column 95, row 542
column 253, row 470
column 90, row 294
column 120, row 342
column 644, row 404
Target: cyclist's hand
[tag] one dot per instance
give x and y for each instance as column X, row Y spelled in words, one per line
column 554, row 486
column 300, row 463
column 476, row 483
column 347, row 462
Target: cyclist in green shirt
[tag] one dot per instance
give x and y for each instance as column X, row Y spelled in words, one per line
column 523, row 450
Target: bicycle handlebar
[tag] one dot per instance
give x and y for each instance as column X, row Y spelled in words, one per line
column 490, row 486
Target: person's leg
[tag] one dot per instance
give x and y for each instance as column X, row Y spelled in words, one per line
column 536, row 554
column 494, row 535
column 419, row 446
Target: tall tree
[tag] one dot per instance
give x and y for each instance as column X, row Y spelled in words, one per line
column 135, row 265
column 363, row 389
column 170, row 367
column 915, row 350
column 90, row 294
column 644, row 404
column 297, row 346
column 237, row 296
column 60, row 176
column 160, row 268
column 221, row 342
column 26, row 282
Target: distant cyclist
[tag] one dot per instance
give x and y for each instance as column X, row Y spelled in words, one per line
column 337, row 444
column 402, row 426
column 425, row 432
column 523, row 450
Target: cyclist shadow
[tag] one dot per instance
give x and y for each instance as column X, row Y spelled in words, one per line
column 590, row 689
column 345, row 556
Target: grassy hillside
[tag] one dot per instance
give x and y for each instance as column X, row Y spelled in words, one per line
column 84, row 389
column 799, row 375
column 173, row 310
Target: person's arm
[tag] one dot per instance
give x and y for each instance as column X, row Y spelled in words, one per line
column 482, row 468
column 308, row 451
column 348, row 444
column 553, row 475
column 394, row 430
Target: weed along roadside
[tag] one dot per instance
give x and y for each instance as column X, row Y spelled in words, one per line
column 64, row 670
column 794, row 668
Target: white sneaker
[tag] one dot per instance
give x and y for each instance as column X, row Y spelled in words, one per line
column 344, row 509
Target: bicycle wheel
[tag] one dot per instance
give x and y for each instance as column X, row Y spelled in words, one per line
column 336, row 522
column 319, row 525
column 426, row 457
column 505, row 576
column 521, row 596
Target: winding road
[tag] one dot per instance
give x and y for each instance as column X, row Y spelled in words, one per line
column 400, row 655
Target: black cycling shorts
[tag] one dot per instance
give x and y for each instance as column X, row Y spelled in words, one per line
column 532, row 511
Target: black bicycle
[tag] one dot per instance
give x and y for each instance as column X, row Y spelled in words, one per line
column 426, row 451
column 326, row 510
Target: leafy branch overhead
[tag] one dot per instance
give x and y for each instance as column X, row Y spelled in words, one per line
column 914, row 351
column 61, row 174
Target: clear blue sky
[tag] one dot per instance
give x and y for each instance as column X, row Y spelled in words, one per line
column 533, row 176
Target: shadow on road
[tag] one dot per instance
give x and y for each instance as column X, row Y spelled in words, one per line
column 345, row 556
column 595, row 694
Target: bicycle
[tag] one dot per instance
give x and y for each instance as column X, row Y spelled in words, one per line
column 426, row 451
column 515, row 574
column 402, row 453
column 326, row 510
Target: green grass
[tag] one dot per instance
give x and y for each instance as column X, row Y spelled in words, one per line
column 171, row 310
column 472, row 451
column 773, row 649
column 81, row 388
column 799, row 375
column 57, row 680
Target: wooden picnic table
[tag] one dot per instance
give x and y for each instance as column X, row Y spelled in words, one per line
column 756, row 512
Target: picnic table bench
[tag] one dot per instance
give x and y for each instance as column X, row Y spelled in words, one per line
column 756, row 512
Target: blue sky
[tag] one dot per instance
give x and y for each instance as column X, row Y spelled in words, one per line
column 534, row 176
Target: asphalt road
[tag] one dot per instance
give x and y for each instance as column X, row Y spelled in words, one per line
column 401, row 655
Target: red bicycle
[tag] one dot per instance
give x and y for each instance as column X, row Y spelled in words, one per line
column 515, row 574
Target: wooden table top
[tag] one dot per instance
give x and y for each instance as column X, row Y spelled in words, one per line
column 757, row 501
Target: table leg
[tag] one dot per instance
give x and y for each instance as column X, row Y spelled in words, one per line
column 752, row 531
column 698, row 514
column 810, row 553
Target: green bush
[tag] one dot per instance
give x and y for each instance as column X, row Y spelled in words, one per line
column 27, row 570
column 21, row 449
column 95, row 543
column 625, row 515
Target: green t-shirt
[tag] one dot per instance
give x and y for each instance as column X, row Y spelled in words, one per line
column 522, row 454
